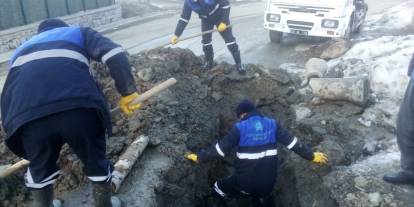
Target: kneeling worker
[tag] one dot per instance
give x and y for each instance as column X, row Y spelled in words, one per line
column 212, row 13
column 256, row 138
column 50, row 98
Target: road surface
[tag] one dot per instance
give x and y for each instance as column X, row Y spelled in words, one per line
column 248, row 29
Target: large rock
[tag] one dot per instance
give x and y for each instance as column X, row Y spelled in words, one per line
column 335, row 50
column 301, row 112
column 353, row 89
column 316, row 67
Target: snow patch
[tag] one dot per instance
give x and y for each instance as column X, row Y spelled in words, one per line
column 385, row 60
column 395, row 18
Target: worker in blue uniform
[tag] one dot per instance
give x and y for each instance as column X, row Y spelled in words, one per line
column 255, row 138
column 50, row 98
column 212, row 13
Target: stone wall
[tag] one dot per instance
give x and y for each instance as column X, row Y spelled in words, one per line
column 14, row 37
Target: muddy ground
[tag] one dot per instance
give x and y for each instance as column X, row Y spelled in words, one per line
column 199, row 109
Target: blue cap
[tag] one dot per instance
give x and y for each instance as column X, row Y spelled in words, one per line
column 49, row 24
column 245, row 106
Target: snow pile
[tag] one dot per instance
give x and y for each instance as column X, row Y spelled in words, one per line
column 385, row 60
column 395, row 18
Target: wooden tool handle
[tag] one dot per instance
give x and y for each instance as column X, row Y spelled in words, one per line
column 13, row 168
column 150, row 93
column 154, row 91
column 190, row 37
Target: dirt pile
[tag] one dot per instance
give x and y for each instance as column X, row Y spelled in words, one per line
column 198, row 110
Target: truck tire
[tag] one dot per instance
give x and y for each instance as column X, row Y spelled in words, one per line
column 275, row 36
column 358, row 29
column 348, row 31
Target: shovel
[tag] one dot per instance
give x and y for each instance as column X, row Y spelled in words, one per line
column 148, row 94
column 6, row 170
column 184, row 38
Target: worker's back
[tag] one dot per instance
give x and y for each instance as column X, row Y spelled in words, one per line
column 48, row 74
column 256, row 164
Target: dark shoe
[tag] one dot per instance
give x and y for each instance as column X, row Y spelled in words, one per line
column 267, row 201
column 241, row 69
column 400, row 177
column 217, row 202
column 207, row 65
column 102, row 194
column 44, row 198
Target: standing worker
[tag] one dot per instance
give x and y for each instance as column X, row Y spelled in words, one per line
column 405, row 135
column 256, row 138
column 50, row 98
column 212, row 13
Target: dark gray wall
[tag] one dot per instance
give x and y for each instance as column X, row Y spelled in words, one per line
column 10, row 14
column 20, row 12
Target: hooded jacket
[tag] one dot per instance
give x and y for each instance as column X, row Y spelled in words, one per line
column 256, row 140
column 49, row 73
column 215, row 11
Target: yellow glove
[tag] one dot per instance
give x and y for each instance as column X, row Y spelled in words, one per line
column 193, row 157
column 125, row 106
column 222, row 27
column 320, row 158
column 174, row 40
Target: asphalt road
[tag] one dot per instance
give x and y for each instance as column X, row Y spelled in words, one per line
column 247, row 21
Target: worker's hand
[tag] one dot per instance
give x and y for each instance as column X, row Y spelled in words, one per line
column 320, row 158
column 126, row 106
column 193, row 157
column 222, row 27
column 174, row 39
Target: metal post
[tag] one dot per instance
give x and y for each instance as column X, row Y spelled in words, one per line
column 84, row 5
column 67, row 7
column 47, row 8
column 23, row 13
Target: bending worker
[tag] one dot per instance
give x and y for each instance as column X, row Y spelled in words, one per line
column 405, row 135
column 212, row 13
column 255, row 137
column 50, row 98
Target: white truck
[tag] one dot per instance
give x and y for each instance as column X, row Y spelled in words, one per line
column 320, row 18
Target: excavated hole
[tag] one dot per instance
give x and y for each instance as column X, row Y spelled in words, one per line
column 219, row 169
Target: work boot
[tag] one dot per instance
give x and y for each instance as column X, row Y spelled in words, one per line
column 241, row 69
column 208, row 57
column 44, row 197
column 217, row 202
column 235, row 52
column 207, row 65
column 102, row 194
column 399, row 178
column 267, row 201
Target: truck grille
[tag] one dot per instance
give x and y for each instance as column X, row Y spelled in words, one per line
column 299, row 25
column 303, row 10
